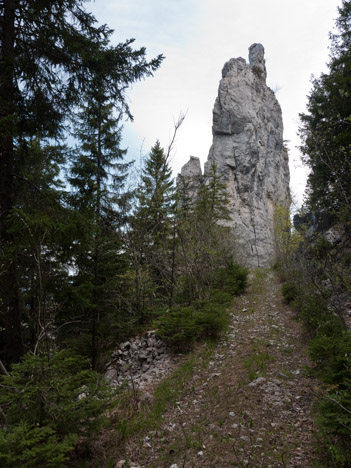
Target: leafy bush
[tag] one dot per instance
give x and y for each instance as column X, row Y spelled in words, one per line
column 48, row 403
column 331, row 352
column 289, row 291
column 220, row 297
column 329, row 348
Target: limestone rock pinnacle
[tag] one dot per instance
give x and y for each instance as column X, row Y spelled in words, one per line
column 257, row 61
column 250, row 156
column 190, row 177
column 192, row 168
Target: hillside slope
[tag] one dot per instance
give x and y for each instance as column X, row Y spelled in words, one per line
column 249, row 403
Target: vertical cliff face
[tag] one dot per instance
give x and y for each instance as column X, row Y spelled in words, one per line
column 249, row 154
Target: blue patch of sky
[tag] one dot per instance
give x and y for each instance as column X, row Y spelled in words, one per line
column 150, row 22
column 159, row 26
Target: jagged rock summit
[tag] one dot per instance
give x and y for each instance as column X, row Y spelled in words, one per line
column 249, row 154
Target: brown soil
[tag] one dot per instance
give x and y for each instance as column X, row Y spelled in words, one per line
column 249, row 404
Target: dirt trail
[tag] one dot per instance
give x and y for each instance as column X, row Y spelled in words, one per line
column 249, row 404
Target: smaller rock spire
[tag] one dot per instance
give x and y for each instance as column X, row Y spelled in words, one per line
column 257, row 61
column 190, row 178
column 192, row 168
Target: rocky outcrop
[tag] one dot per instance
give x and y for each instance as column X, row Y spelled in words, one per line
column 249, row 154
column 139, row 362
column 190, row 178
column 192, row 169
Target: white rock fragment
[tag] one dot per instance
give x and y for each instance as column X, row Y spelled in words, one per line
column 258, row 381
column 121, row 464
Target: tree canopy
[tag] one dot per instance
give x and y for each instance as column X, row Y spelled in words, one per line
column 50, row 53
column 326, row 128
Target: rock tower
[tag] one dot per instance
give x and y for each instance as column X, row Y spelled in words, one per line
column 249, row 154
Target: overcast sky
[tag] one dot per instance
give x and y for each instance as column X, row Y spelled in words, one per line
column 197, row 37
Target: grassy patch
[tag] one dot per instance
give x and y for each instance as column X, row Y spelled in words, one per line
column 258, row 279
column 150, row 416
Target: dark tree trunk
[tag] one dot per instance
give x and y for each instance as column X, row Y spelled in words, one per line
column 9, row 281
column 95, row 318
column 173, row 266
column 6, row 111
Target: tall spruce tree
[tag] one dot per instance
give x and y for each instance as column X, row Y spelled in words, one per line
column 49, row 52
column 39, row 222
column 152, row 228
column 326, row 128
column 97, row 177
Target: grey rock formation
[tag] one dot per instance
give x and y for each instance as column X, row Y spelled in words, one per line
column 249, row 154
column 190, row 177
column 192, row 169
column 257, row 61
column 139, row 362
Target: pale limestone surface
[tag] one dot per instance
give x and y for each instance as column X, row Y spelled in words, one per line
column 192, row 168
column 190, row 178
column 249, row 153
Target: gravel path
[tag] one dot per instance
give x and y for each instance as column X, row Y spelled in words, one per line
column 249, row 404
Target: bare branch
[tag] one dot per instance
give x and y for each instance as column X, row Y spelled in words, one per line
column 177, row 125
column 3, row 368
column 337, row 402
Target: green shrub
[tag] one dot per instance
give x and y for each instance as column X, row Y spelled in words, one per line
column 25, row 445
column 48, row 403
column 314, row 312
column 334, row 419
column 233, row 279
column 212, row 319
column 220, row 297
column 331, row 353
column 322, row 247
column 177, row 326
column 289, row 291
column 181, row 326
